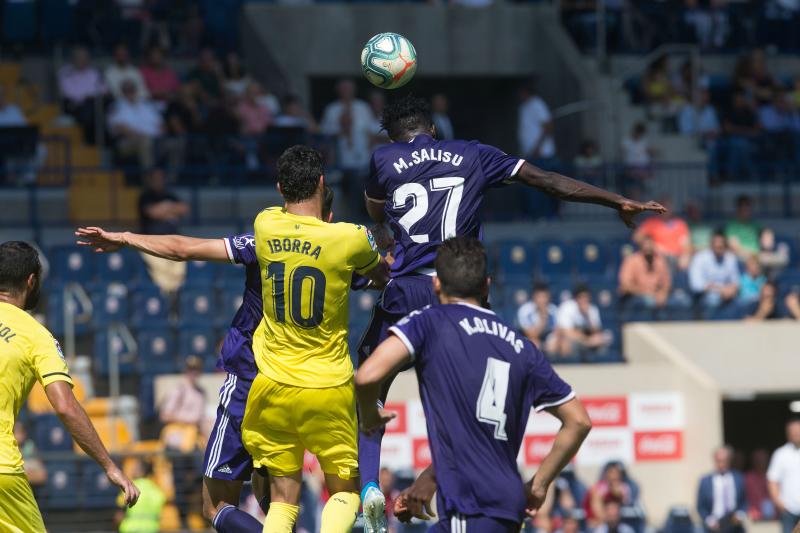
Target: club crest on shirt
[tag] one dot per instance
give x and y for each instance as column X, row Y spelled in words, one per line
column 243, row 241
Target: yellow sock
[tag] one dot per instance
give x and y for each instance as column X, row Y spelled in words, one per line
column 280, row 518
column 340, row 513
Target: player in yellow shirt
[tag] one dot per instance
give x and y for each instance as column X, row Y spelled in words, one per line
column 29, row 353
column 303, row 396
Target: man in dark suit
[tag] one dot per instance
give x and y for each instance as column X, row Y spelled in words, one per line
column 721, row 500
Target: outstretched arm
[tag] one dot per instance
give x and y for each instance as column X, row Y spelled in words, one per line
column 573, row 190
column 173, row 247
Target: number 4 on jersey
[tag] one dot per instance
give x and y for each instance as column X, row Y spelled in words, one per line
column 492, row 399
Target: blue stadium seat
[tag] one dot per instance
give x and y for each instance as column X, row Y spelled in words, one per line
column 553, row 259
column 110, row 304
column 63, row 488
column 72, row 263
column 201, row 274
column 55, row 311
column 149, row 308
column 19, row 21
column 147, row 398
column 56, row 20
column 157, row 353
column 198, row 308
column 590, row 257
column 619, row 249
column 791, row 246
column 515, row 259
column 604, row 296
column 98, row 491
column 789, row 281
column 106, row 344
column 201, row 342
column 231, row 276
column 230, row 301
column 124, row 266
column 50, row 434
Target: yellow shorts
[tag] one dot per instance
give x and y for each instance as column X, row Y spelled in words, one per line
column 282, row 421
column 18, row 510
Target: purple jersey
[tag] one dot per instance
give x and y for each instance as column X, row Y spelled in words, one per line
column 478, row 379
column 236, row 356
column 433, row 191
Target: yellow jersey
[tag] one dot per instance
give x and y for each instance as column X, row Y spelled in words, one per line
column 306, row 269
column 28, row 353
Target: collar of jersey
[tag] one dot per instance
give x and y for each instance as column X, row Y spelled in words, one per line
column 301, row 217
column 418, row 136
column 476, row 307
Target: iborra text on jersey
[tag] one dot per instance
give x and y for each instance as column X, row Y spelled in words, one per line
column 293, row 245
column 428, row 154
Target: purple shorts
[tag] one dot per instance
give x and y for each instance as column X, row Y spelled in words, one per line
column 401, row 296
column 474, row 524
column 225, row 456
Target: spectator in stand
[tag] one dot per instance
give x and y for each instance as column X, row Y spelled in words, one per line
column 659, row 93
column 613, row 487
column 612, row 520
column 784, row 478
column 145, row 516
column 764, row 83
column 589, row 163
column 35, row 470
column 160, row 209
column 377, row 101
column 773, row 255
column 535, row 128
column 714, row 274
column 795, row 94
column 236, row 78
column 757, row 488
column 637, row 156
column 182, row 120
column 440, row 107
column 742, row 129
column 579, row 330
column 742, row 232
column 721, row 500
column 161, row 80
column 80, row 84
column 644, row 278
column 792, row 302
column 700, row 232
column 537, row 318
column 780, row 122
column 670, row 234
column 135, row 123
column 254, row 116
column 206, row 78
column 295, row 116
column 700, row 119
column 270, row 100
column 121, row 71
column 11, row 115
column 751, row 282
column 766, row 307
column 21, row 168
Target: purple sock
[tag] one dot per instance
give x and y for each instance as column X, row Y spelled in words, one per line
column 369, row 457
column 229, row 519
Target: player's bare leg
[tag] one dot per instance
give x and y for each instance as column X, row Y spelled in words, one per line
column 220, row 506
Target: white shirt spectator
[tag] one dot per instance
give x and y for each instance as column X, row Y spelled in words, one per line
column 706, row 270
column 569, row 316
column 693, row 121
column 528, row 316
column 443, row 126
column 140, row 116
column 116, row 74
column 784, row 469
column 724, row 494
column 11, row 116
column 353, row 145
column 636, row 152
column 533, row 115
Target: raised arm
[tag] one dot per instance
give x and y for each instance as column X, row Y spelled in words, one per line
column 573, row 190
column 173, row 247
column 375, row 209
column 74, row 418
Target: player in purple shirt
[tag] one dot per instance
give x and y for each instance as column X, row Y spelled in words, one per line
column 478, row 380
column 429, row 190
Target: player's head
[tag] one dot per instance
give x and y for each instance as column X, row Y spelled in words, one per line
column 407, row 117
column 793, row 431
column 20, row 273
column 723, row 456
column 541, row 294
column 327, row 204
column 461, row 270
column 300, row 174
column 583, row 296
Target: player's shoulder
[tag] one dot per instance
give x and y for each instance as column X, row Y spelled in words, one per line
column 23, row 323
column 269, row 212
column 418, row 314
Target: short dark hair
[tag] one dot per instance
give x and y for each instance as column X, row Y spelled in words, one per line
column 18, row 260
column 461, row 267
column 327, row 202
column 744, row 199
column 406, row 115
column 299, row 169
column 541, row 286
column 581, row 288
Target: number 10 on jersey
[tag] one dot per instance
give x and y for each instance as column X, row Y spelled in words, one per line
column 309, row 276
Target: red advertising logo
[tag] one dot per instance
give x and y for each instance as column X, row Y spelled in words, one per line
column 607, row 412
column 658, row 445
column 537, row 447
column 400, row 423
column 422, row 454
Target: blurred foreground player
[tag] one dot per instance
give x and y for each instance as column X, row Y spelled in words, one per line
column 466, row 356
column 428, row 191
column 29, row 353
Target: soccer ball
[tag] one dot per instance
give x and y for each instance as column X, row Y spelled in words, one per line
column 389, row 60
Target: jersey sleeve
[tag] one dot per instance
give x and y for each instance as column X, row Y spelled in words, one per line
column 241, row 249
column 48, row 360
column 364, row 254
column 498, row 167
column 548, row 389
column 411, row 330
column 374, row 189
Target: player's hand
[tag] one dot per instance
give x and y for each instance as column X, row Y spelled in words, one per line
column 535, row 498
column 100, row 239
column 416, row 500
column 119, row 479
column 374, row 419
column 628, row 209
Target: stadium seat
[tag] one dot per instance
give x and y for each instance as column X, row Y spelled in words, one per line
column 63, row 488
column 553, row 259
column 113, row 432
column 19, row 22
column 56, row 20
column 124, row 266
column 201, row 274
column 147, row 398
column 98, row 491
column 619, row 249
column 790, row 244
column 515, row 259
column 230, row 301
column 108, row 343
column 231, row 276
column 157, row 351
column 50, row 434
column 198, row 308
column 200, row 342
column 149, row 308
column 110, row 305
column 56, row 311
column 72, row 264
column 590, row 258
column 606, row 299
